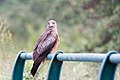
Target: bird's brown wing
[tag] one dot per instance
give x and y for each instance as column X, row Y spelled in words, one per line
column 41, row 38
column 44, row 49
column 40, row 41
column 48, row 42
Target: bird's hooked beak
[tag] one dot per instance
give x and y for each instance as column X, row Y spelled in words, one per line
column 51, row 25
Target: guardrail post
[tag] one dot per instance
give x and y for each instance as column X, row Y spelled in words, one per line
column 18, row 68
column 54, row 68
column 108, row 69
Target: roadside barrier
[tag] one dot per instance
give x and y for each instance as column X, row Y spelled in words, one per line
column 106, row 72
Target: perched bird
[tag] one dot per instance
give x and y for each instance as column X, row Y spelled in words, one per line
column 47, row 43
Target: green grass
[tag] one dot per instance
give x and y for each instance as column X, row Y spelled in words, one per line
column 70, row 71
column 6, row 64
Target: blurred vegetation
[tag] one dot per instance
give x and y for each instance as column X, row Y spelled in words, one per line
column 83, row 25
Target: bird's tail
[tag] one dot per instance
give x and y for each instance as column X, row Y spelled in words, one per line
column 36, row 64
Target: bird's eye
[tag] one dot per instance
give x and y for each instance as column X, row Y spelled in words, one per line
column 53, row 23
column 48, row 23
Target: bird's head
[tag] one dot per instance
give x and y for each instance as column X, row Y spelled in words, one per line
column 52, row 24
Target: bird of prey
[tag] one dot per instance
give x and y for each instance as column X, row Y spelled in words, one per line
column 47, row 43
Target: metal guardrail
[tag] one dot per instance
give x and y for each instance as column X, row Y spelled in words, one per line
column 107, row 71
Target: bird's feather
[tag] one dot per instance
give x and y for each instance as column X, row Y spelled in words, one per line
column 47, row 42
column 46, row 38
column 43, row 49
